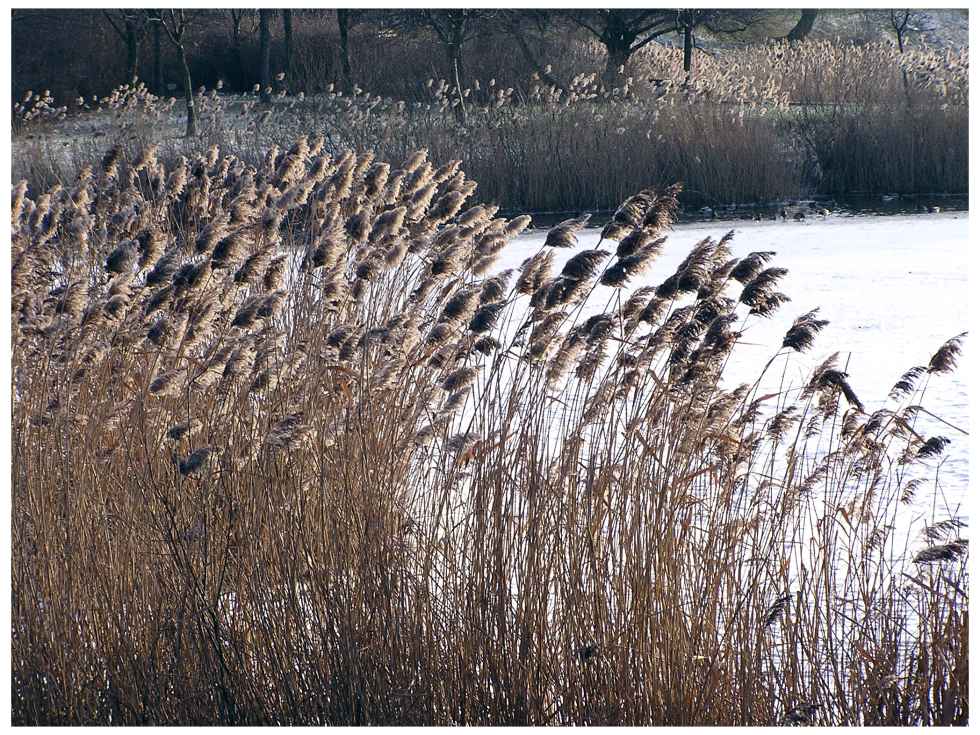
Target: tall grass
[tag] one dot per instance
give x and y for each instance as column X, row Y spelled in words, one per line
column 287, row 449
column 754, row 125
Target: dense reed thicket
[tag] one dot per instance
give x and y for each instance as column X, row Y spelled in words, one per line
column 288, row 449
column 758, row 124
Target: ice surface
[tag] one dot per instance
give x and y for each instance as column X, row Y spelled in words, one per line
column 894, row 289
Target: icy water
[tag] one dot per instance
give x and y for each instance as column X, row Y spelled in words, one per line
column 894, row 289
column 853, row 206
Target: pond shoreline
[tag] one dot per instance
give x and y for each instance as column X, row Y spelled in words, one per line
column 898, row 205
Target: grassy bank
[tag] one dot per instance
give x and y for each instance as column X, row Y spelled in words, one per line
column 758, row 125
column 287, row 448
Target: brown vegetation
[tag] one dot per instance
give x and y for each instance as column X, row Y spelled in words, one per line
column 822, row 117
column 287, row 449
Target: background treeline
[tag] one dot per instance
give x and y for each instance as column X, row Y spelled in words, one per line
column 392, row 53
column 548, row 110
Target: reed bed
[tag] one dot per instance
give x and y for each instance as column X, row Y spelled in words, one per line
column 812, row 118
column 288, row 449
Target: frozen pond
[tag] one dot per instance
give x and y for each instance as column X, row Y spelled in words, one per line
column 894, row 289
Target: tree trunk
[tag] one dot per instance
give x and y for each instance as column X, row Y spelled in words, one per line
column 803, row 26
column 265, row 54
column 454, row 52
column 287, row 32
column 531, row 58
column 616, row 57
column 188, row 93
column 132, row 52
column 343, row 25
column 236, row 45
column 461, row 108
column 130, row 32
column 900, row 36
column 157, row 64
column 688, row 48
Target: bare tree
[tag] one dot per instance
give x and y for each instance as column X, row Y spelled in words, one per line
column 688, row 21
column 623, row 32
column 130, row 26
column 265, row 55
column 904, row 22
column 534, row 23
column 346, row 19
column 175, row 23
column 718, row 22
column 238, row 18
column 803, row 26
column 287, row 33
column 157, row 52
column 454, row 29
column 899, row 20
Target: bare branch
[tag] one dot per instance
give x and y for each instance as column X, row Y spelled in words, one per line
column 116, row 28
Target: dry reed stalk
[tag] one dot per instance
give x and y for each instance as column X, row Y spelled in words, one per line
column 268, row 473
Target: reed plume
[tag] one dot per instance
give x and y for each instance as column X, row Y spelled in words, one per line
column 288, row 447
